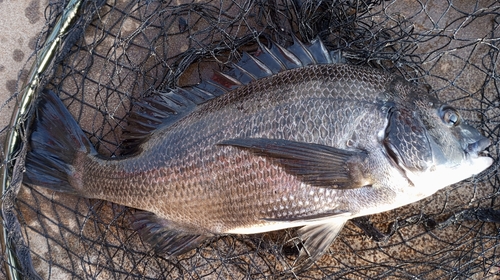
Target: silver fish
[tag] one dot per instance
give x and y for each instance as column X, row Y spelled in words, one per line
column 287, row 138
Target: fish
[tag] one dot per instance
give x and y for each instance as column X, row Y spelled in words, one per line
column 289, row 137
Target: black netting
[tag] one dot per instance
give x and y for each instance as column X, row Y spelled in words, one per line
column 119, row 51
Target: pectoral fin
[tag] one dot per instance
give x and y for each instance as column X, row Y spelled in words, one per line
column 165, row 236
column 315, row 164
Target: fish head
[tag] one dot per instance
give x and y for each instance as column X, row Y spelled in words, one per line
column 432, row 144
column 458, row 149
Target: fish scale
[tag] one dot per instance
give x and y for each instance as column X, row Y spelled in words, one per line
column 288, row 138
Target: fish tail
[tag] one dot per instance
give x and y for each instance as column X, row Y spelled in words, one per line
column 57, row 146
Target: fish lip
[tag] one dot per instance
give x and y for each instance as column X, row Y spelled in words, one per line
column 477, row 155
column 475, row 162
column 481, row 158
column 478, row 146
column 477, row 149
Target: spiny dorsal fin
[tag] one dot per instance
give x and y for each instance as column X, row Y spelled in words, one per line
column 302, row 52
column 319, row 52
column 168, row 107
column 278, row 58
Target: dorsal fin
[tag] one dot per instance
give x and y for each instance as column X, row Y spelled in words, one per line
column 302, row 52
column 278, row 57
column 167, row 107
column 163, row 109
column 319, row 52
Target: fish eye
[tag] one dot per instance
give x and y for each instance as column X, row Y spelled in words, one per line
column 450, row 116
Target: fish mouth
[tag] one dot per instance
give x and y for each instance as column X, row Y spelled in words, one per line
column 473, row 143
column 478, row 160
column 469, row 155
column 477, row 156
column 441, row 173
column 478, row 148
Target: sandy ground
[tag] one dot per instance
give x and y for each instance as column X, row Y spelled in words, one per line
column 21, row 22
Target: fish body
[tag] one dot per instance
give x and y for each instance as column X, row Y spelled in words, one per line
column 290, row 138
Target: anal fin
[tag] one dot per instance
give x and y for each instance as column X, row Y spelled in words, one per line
column 166, row 237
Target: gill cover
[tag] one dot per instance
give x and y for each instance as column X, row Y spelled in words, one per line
column 406, row 140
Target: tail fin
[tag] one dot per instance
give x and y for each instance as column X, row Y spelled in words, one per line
column 56, row 140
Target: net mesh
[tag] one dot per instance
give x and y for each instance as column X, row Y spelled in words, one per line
column 120, row 51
